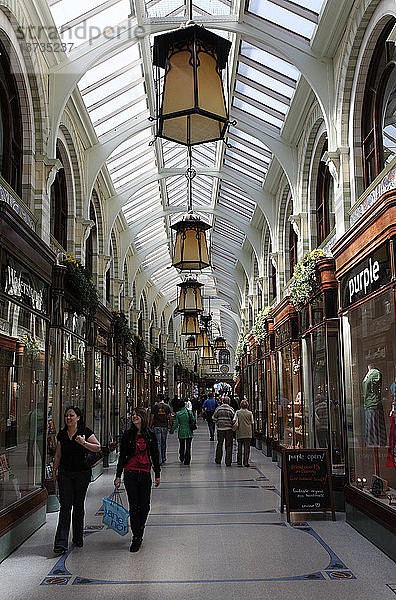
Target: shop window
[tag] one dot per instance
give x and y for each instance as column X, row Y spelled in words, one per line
column 293, row 239
column 59, row 207
column 22, row 393
column 379, row 108
column 370, row 390
column 10, row 125
column 323, row 185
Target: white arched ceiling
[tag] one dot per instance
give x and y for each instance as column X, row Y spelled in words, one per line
column 271, row 53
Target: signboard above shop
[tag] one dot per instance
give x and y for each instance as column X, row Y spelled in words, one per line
column 18, row 282
column 368, row 276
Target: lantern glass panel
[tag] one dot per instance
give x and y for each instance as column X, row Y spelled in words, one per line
column 190, row 298
column 191, row 252
column 190, row 325
column 202, row 340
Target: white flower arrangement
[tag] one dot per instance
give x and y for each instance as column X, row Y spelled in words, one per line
column 259, row 326
column 304, row 282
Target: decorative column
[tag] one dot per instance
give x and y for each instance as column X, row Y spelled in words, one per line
column 170, row 357
column 338, row 164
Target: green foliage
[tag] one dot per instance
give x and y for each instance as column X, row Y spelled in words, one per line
column 80, row 283
column 122, row 331
column 157, row 358
column 32, row 347
column 140, row 348
column 304, row 282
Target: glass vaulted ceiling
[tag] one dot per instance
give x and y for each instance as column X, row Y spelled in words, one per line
column 149, row 177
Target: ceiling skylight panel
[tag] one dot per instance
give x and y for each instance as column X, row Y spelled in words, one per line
column 238, row 201
column 128, row 112
column 162, row 8
column 88, row 28
column 264, row 79
column 244, row 170
column 116, row 101
column 277, row 107
column 250, row 109
column 248, row 138
column 242, row 211
column 127, row 155
column 110, row 66
column 243, row 146
column 112, row 86
column 214, row 7
column 262, row 57
column 147, row 166
column 283, row 17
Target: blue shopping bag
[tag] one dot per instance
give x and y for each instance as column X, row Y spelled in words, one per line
column 115, row 515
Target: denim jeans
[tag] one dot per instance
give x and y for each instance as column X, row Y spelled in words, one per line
column 161, row 434
column 73, row 487
column 210, row 422
column 138, row 488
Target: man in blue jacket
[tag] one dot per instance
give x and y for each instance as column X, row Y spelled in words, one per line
column 208, row 408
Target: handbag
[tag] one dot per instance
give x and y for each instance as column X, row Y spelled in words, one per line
column 235, row 425
column 191, row 422
column 91, row 458
column 115, row 515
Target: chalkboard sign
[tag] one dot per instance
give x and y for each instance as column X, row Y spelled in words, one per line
column 307, row 481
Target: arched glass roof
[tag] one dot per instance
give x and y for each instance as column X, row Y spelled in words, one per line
column 117, row 87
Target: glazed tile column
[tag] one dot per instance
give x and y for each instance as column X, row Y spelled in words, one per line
column 338, row 164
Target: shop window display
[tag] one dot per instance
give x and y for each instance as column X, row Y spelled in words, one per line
column 22, row 396
column 370, row 372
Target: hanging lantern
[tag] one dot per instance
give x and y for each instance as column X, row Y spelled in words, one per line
column 201, row 340
column 193, row 108
column 190, row 299
column 191, row 344
column 191, row 251
column 207, row 352
column 190, row 324
column 220, row 343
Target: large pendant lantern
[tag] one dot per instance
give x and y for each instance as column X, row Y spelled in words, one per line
column 220, row 343
column 190, row 324
column 201, row 340
column 193, row 108
column 190, row 299
column 191, row 343
column 191, row 251
column 207, row 352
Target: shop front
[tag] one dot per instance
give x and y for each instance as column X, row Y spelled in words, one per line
column 26, row 272
column 286, row 376
column 365, row 266
column 323, row 422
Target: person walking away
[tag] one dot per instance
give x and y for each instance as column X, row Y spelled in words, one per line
column 73, row 477
column 182, row 422
column 243, row 420
column 208, row 408
column 160, row 419
column 138, row 455
column 223, row 417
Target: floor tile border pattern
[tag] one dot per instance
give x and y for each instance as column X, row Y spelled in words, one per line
column 336, row 570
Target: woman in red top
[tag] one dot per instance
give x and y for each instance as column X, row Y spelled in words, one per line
column 138, row 453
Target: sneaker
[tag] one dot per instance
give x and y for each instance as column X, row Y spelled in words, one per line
column 59, row 550
column 136, row 543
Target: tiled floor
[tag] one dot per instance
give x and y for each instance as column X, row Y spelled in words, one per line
column 215, row 532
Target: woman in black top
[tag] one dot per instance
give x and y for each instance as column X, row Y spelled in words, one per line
column 138, row 455
column 73, row 476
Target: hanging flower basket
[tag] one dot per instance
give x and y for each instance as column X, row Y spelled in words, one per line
column 259, row 330
column 305, row 278
column 140, row 348
column 157, row 358
column 122, row 331
column 79, row 281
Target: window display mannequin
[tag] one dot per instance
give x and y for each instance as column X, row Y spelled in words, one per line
column 391, row 459
column 374, row 411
